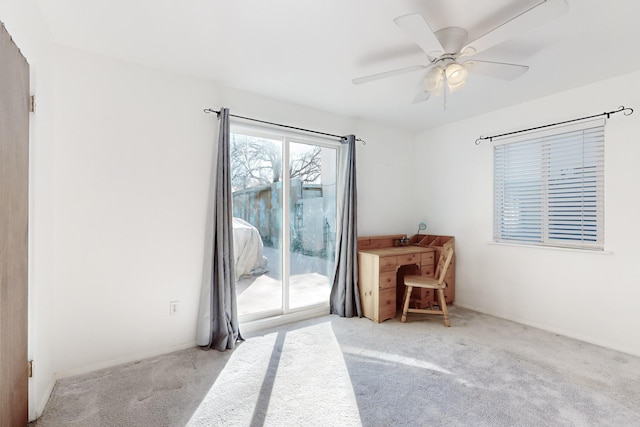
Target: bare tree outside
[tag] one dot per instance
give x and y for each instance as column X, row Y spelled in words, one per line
column 258, row 161
column 306, row 165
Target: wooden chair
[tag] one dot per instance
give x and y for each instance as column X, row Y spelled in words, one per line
column 437, row 283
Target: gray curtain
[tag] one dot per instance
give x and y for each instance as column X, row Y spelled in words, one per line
column 345, row 296
column 218, row 320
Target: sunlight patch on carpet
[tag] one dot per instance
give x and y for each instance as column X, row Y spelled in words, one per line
column 234, row 394
column 296, row 377
column 313, row 386
column 394, row 358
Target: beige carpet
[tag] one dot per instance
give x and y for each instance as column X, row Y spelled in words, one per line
column 333, row 371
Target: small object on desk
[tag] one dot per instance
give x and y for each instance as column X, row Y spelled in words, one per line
column 401, row 242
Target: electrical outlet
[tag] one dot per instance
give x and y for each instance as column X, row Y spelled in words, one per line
column 174, row 308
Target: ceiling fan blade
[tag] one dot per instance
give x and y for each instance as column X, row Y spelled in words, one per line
column 498, row 70
column 421, row 96
column 535, row 16
column 386, row 74
column 415, row 25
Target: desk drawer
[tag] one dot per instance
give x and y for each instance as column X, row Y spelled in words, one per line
column 408, row 259
column 388, row 263
column 388, row 279
column 427, row 258
column 387, row 304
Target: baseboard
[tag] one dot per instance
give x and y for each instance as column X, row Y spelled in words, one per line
column 42, row 404
column 122, row 360
column 558, row 331
column 246, row 327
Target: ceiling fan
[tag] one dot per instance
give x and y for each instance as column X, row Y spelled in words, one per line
column 445, row 47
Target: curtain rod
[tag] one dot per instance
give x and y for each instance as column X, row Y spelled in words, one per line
column 209, row 110
column 627, row 112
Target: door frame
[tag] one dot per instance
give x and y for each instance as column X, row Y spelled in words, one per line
column 287, row 137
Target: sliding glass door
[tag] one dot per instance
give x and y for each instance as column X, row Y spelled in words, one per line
column 284, row 221
column 312, row 223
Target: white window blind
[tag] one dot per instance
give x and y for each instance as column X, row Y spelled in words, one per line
column 549, row 188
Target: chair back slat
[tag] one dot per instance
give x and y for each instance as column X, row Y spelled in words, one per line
column 443, row 262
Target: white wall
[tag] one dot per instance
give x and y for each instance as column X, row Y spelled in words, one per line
column 132, row 157
column 132, row 154
column 590, row 296
column 385, row 177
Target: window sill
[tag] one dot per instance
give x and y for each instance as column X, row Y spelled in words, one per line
column 553, row 248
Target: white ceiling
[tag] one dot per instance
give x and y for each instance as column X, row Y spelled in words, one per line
column 307, row 52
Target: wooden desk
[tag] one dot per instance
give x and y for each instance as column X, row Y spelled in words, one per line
column 378, row 271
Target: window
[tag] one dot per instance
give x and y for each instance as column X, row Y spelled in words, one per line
column 549, row 188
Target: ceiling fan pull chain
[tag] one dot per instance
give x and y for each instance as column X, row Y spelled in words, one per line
column 446, row 88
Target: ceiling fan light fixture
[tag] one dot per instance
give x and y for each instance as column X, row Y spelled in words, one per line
column 453, row 88
column 433, row 80
column 456, row 75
